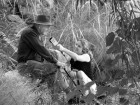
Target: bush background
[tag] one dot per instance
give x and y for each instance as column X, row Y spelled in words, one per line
column 116, row 54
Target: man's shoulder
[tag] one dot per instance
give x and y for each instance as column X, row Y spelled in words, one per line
column 27, row 31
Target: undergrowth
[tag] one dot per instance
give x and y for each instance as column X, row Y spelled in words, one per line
column 111, row 25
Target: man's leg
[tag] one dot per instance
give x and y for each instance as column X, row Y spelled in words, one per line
column 63, row 81
column 22, row 69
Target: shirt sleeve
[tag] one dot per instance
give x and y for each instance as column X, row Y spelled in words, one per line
column 33, row 41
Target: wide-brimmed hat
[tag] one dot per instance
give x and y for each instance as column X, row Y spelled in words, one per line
column 43, row 20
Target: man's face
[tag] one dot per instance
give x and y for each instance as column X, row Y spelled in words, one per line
column 44, row 29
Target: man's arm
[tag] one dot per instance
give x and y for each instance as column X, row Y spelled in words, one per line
column 33, row 41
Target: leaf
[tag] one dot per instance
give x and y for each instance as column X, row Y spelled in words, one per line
column 138, row 100
column 127, row 102
column 8, row 50
column 108, row 62
column 125, row 45
column 122, row 100
column 80, row 89
column 119, row 74
column 14, row 55
column 15, row 18
column 89, row 98
column 103, row 76
column 77, row 2
column 2, row 6
column 110, row 38
column 3, row 41
column 130, row 74
column 138, row 34
column 119, row 32
column 123, row 82
column 116, row 59
column 108, row 77
column 135, row 56
column 112, row 90
column 115, row 48
column 88, row 85
column 0, row 65
column 101, row 90
column 132, row 85
column 110, row 50
column 73, row 93
column 122, row 91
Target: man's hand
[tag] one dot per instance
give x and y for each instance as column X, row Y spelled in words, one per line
column 60, row 64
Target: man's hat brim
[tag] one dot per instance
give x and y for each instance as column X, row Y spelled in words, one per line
column 45, row 24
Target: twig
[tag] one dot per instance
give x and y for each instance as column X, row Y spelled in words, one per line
column 98, row 68
column 13, row 98
column 80, row 31
column 98, row 101
column 66, row 39
column 98, row 34
column 62, row 33
column 74, row 36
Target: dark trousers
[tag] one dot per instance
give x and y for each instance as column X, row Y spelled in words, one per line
column 38, row 70
column 44, row 70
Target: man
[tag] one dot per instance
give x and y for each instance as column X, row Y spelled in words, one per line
column 32, row 54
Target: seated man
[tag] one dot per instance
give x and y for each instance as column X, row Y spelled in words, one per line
column 32, row 54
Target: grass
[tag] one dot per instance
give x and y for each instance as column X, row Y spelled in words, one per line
column 70, row 26
column 17, row 90
column 90, row 22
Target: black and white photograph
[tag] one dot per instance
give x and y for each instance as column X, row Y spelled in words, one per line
column 69, row 52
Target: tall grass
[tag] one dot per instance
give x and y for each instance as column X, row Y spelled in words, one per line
column 73, row 20
column 18, row 90
column 71, row 23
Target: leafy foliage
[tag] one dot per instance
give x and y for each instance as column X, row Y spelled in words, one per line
column 110, row 38
column 111, row 25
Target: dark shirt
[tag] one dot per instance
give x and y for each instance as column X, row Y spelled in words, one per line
column 84, row 66
column 30, row 47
